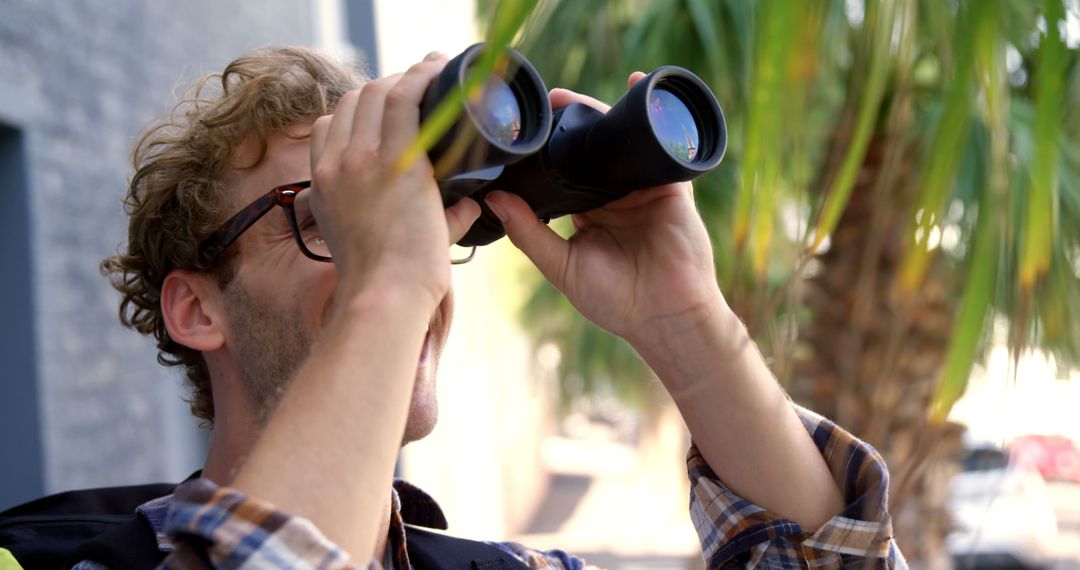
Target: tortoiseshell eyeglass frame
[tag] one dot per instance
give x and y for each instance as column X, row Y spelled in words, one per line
column 285, row 196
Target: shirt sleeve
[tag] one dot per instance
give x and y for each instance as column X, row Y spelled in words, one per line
column 737, row 533
column 219, row 527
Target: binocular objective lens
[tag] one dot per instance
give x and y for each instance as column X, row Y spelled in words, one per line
column 498, row 111
column 674, row 124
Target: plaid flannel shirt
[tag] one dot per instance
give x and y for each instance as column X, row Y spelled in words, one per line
column 206, row 526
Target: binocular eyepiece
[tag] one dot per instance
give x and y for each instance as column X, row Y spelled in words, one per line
column 667, row 128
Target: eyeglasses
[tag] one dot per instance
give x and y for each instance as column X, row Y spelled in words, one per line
column 297, row 206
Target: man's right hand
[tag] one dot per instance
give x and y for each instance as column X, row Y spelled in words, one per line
column 385, row 225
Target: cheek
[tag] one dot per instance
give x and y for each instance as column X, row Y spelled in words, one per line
column 301, row 289
column 447, row 308
column 319, row 294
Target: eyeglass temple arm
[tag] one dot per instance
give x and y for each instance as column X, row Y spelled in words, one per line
column 238, row 224
column 472, row 254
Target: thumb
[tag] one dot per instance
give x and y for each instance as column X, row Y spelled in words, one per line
column 460, row 217
column 546, row 249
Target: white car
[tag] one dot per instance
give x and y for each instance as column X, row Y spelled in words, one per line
column 1003, row 513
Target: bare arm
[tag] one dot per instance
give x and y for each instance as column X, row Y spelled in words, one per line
column 740, row 419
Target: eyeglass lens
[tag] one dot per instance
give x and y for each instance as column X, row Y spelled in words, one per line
column 310, row 235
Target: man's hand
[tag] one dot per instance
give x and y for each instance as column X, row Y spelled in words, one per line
column 631, row 264
column 384, row 224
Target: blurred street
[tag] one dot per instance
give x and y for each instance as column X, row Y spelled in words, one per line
column 1066, row 500
column 607, row 505
column 617, row 506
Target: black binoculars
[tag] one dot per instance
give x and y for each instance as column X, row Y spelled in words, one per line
column 667, row 128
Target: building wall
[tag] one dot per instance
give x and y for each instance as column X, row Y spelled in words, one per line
column 78, row 81
column 89, row 405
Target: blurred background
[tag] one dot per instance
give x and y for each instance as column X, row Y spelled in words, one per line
column 897, row 221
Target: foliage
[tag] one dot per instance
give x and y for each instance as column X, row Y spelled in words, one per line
column 973, row 103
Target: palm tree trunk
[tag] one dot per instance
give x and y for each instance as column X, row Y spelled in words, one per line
column 870, row 360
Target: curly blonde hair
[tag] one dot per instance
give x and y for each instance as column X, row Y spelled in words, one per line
column 177, row 196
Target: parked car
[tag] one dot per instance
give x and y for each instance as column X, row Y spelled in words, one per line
column 1003, row 513
column 1055, row 456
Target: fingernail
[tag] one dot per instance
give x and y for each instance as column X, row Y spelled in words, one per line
column 433, row 56
column 504, row 216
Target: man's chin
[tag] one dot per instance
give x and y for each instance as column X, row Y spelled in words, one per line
column 424, row 408
column 420, row 425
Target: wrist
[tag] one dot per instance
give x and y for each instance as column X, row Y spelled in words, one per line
column 690, row 347
column 674, row 334
column 392, row 305
column 398, row 288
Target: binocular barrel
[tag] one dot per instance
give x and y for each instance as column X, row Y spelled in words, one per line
column 506, row 120
column 667, row 128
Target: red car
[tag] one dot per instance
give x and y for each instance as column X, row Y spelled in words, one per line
column 1056, row 457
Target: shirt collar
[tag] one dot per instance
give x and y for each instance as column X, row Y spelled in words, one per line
column 417, row 507
column 411, row 505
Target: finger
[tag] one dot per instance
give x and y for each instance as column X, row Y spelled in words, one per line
column 319, row 131
column 337, row 133
column 562, row 97
column 634, row 78
column 640, row 198
column 401, row 117
column 367, row 119
column 546, row 249
column 460, row 217
column 579, row 221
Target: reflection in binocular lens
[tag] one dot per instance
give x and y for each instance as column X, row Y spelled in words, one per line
column 498, row 111
column 674, row 124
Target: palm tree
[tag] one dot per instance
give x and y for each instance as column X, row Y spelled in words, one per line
column 900, row 175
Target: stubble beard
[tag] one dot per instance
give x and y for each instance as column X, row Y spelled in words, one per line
column 270, row 348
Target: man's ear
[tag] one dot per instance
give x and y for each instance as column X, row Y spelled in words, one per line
column 191, row 305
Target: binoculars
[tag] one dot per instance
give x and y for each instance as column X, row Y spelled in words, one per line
column 667, row 128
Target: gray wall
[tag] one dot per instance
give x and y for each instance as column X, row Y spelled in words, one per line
column 78, row 81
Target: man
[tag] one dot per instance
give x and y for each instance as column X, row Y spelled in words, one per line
column 310, row 320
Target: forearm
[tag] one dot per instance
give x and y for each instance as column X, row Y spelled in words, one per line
column 329, row 449
column 739, row 417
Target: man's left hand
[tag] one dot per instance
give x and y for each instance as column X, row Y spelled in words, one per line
column 635, row 263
